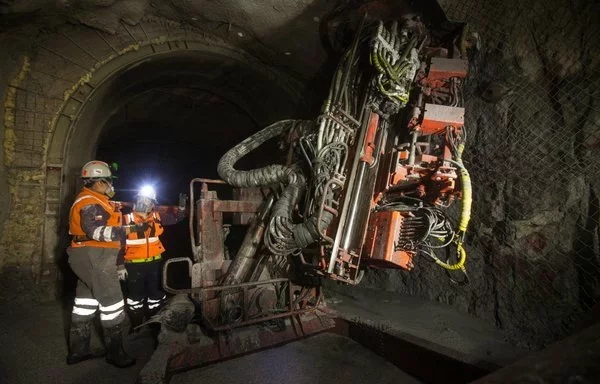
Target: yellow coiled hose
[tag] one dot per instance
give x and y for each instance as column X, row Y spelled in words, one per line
column 465, row 216
column 467, row 199
column 462, row 257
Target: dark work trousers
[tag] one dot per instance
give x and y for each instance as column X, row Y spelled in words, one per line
column 98, row 285
column 144, row 286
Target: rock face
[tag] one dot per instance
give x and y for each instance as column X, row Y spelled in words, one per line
column 533, row 120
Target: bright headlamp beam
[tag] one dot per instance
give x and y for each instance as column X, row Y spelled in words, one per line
column 147, row 191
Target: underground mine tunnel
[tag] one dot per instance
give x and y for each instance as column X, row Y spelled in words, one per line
column 384, row 126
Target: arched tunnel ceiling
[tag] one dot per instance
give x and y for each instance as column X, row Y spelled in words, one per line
column 227, row 79
column 176, row 111
column 291, row 34
column 178, row 114
column 285, row 32
column 185, row 113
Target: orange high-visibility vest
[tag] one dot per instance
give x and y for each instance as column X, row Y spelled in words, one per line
column 89, row 197
column 148, row 246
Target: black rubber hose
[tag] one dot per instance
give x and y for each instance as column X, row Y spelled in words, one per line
column 269, row 175
column 288, row 199
column 307, row 232
column 304, row 233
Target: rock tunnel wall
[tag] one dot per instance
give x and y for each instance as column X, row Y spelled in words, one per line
column 533, row 151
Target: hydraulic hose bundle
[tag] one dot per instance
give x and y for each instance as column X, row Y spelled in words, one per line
column 265, row 176
column 467, row 200
column 395, row 71
column 282, row 236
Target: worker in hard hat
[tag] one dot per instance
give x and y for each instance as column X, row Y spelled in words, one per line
column 143, row 255
column 98, row 234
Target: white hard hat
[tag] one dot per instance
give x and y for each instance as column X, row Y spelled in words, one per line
column 147, row 191
column 96, row 170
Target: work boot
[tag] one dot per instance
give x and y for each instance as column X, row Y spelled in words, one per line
column 79, row 343
column 136, row 318
column 114, row 343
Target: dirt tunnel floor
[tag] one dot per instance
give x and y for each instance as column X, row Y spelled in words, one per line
column 34, row 351
column 34, row 348
column 324, row 358
column 440, row 327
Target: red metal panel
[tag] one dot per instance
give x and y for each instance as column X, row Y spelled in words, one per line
column 369, row 144
column 438, row 117
column 379, row 249
column 442, row 68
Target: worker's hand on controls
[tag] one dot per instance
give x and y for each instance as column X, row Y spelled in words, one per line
column 122, row 272
column 182, row 201
column 140, row 226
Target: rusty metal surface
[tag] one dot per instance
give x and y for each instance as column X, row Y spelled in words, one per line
column 240, row 270
column 239, row 307
column 247, row 340
column 192, row 232
column 246, row 194
column 170, row 209
column 236, row 206
column 241, row 285
column 210, row 228
column 210, row 297
column 213, row 314
column 262, row 320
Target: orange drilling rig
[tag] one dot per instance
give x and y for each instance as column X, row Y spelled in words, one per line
column 366, row 184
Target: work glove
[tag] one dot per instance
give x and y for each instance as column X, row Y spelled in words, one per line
column 182, row 201
column 133, row 228
column 122, row 271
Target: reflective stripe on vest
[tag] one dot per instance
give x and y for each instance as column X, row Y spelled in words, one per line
column 147, row 247
column 141, row 241
column 131, row 219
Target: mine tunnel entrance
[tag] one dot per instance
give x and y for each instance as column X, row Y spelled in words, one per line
column 167, row 119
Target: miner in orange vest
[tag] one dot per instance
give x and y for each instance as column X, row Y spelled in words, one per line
column 143, row 255
column 98, row 235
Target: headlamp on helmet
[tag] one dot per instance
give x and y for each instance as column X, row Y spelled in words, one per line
column 147, row 191
column 145, row 199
